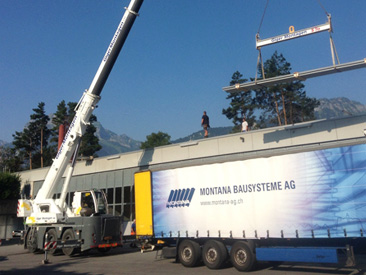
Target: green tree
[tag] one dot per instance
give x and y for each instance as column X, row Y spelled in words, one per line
column 9, row 160
column 283, row 104
column 60, row 115
column 24, row 144
column 64, row 115
column 58, row 118
column 242, row 104
column 155, row 140
column 9, row 186
column 38, row 123
column 89, row 142
column 32, row 142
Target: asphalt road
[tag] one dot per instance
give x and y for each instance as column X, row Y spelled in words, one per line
column 14, row 259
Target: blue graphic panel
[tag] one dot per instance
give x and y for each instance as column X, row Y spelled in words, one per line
column 311, row 194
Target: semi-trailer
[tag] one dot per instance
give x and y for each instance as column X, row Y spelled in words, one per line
column 304, row 202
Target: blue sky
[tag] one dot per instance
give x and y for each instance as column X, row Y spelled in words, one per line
column 177, row 58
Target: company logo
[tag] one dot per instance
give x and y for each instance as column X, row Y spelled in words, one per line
column 26, row 206
column 30, row 220
column 180, row 197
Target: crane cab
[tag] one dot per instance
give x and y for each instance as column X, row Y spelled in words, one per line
column 90, row 202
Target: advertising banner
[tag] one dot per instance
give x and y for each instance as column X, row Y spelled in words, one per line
column 311, row 194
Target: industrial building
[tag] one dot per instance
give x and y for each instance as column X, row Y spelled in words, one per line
column 115, row 174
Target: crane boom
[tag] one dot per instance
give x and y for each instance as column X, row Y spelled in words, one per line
column 87, row 104
column 115, row 47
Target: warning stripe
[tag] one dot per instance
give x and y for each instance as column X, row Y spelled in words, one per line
column 49, row 245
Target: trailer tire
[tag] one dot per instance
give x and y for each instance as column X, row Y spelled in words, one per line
column 52, row 237
column 68, row 236
column 189, row 253
column 242, row 256
column 214, row 254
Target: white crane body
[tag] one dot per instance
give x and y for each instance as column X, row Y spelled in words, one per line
column 49, row 212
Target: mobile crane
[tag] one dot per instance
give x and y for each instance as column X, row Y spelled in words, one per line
column 86, row 224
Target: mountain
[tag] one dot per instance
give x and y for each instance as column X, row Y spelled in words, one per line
column 5, row 143
column 338, row 107
column 114, row 144
column 212, row 132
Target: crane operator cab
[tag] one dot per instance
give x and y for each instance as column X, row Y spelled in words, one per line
column 91, row 202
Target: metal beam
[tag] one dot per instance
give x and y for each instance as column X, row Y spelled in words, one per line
column 293, row 34
column 302, row 76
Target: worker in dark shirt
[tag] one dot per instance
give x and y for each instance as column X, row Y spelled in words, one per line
column 205, row 122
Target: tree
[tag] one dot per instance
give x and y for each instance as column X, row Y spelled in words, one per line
column 24, row 144
column 283, row 104
column 89, row 142
column 32, row 142
column 64, row 115
column 39, row 121
column 9, row 186
column 242, row 104
column 9, row 160
column 58, row 118
column 35, row 147
column 155, row 140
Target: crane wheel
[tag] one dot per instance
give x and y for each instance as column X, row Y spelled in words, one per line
column 68, row 236
column 52, row 237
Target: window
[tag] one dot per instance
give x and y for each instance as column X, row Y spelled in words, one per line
column 133, row 212
column 45, row 208
column 126, row 212
column 110, row 209
column 118, row 210
column 87, row 201
column 27, row 190
column 101, row 206
column 118, row 195
column 127, row 194
column 110, row 195
column 69, row 198
column 56, row 196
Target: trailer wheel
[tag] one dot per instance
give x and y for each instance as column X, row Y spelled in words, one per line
column 214, row 254
column 242, row 256
column 52, row 237
column 189, row 253
column 68, row 236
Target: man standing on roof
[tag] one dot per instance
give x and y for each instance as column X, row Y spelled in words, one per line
column 244, row 125
column 205, row 122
